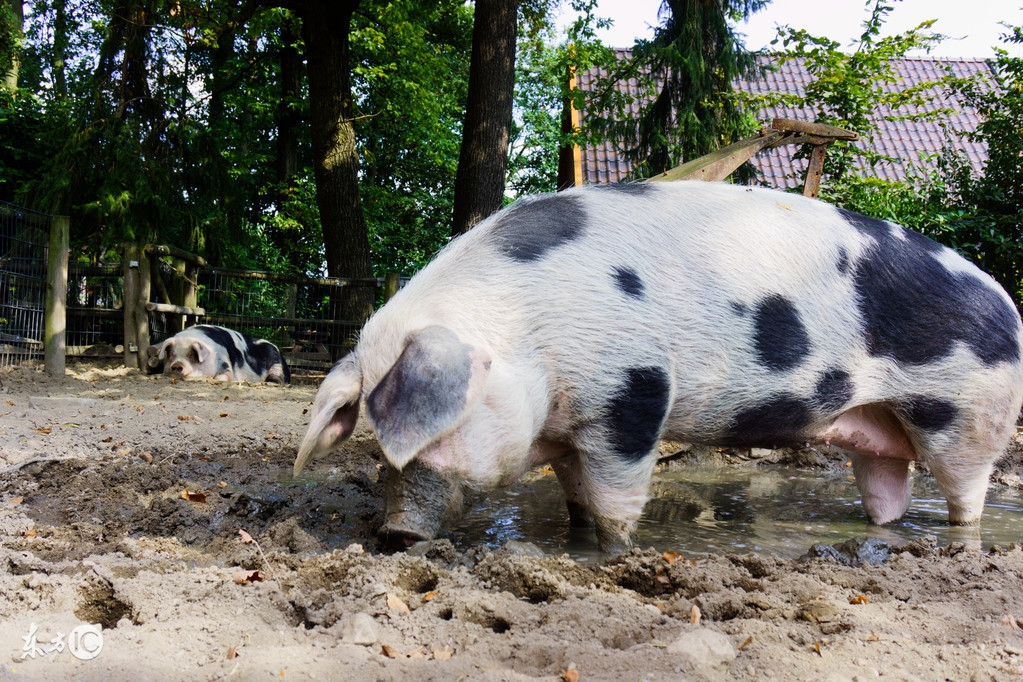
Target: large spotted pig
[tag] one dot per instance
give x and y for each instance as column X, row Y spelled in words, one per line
column 581, row 328
column 206, row 350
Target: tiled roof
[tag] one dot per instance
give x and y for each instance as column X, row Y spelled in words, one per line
column 908, row 141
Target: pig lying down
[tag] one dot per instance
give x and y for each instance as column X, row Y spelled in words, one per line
column 219, row 353
column 581, row 328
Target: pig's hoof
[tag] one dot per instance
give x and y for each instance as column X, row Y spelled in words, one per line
column 399, row 538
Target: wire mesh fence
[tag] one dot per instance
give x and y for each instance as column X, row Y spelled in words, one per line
column 309, row 319
column 95, row 316
column 24, row 237
column 303, row 316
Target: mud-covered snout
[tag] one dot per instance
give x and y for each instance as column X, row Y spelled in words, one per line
column 419, row 500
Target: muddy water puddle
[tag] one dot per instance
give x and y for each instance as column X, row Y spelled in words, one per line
column 777, row 512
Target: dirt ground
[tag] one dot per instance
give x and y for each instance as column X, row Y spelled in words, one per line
column 122, row 504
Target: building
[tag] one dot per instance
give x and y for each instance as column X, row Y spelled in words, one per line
column 908, row 141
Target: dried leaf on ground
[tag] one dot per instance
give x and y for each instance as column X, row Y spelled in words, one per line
column 246, row 577
column 246, row 538
column 672, row 557
column 193, row 497
column 395, row 602
column 571, row 675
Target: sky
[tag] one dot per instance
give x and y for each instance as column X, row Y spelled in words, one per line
column 974, row 24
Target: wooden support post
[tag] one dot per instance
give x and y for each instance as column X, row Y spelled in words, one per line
column 812, row 183
column 130, row 305
column 392, row 282
column 141, row 313
column 191, row 297
column 55, row 323
column 176, row 323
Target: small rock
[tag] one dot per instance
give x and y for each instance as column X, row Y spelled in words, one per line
column 518, row 548
column 704, row 649
column 360, row 629
column 854, row 552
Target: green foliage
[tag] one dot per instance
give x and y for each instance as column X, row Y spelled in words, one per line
column 848, row 89
column 410, row 78
column 159, row 121
column 984, row 213
column 686, row 73
column 542, row 88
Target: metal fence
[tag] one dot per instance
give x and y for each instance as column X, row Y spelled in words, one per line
column 304, row 316
column 301, row 315
column 24, row 238
column 95, row 315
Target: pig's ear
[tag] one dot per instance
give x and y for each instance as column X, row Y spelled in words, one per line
column 426, row 393
column 165, row 348
column 335, row 411
column 201, row 351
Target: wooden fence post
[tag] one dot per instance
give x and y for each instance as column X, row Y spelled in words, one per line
column 191, row 297
column 130, row 300
column 177, row 296
column 392, row 282
column 55, row 323
column 141, row 312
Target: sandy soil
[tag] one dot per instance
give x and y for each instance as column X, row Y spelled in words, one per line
column 122, row 498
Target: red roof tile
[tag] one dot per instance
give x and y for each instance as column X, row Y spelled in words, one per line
column 908, row 141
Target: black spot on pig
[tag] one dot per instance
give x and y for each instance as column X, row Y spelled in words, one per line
column 637, row 411
column 774, row 423
column 843, row 261
column 223, row 337
column 834, row 389
column 628, row 281
column 740, row 309
column 879, row 230
column 779, row 334
column 635, row 188
column 528, row 231
column 263, row 355
column 929, row 414
column 914, row 309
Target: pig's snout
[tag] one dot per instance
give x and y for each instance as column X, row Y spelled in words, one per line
column 418, row 502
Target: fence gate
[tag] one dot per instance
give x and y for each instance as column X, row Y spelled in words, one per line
column 24, row 237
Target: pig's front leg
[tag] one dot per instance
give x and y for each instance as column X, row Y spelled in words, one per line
column 593, row 503
column 618, row 451
column 603, row 491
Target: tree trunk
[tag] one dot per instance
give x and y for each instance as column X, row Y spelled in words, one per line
column 60, row 44
column 479, row 182
column 288, row 115
column 15, row 29
column 325, row 28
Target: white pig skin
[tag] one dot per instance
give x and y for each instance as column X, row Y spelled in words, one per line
column 582, row 327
